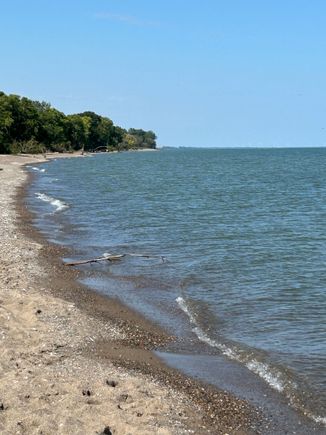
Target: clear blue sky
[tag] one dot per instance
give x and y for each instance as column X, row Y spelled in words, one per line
column 198, row 73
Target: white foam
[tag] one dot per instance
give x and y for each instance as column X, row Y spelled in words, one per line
column 57, row 203
column 35, row 168
column 183, row 306
column 261, row 369
column 317, row 419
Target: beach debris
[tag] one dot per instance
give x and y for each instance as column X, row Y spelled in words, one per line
column 123, row 397
column 95, row 260
column 38, row 311
column 112, row 257
column 86, row 393
column 92, row 402
column 106, row 431
column 2, row 407
column 111, row 383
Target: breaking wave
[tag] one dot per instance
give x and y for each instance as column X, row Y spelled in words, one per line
column 56, row 203
column 35, row 168
column 272, row 377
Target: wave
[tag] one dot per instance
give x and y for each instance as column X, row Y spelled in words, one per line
column 274, row 379
column 35, row 168
column 57, row 203
column 272, row 376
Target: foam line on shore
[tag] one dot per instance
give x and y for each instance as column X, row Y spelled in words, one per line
column 55, row 202
column 273, row 378
column 36, row 169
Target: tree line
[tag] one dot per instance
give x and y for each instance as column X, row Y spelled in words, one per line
column 28, row 126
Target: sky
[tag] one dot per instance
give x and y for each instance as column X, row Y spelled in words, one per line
column 209, row 73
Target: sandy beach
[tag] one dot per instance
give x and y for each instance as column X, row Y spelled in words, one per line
column 75, row 362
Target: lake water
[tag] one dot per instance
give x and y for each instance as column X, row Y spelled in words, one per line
column 243, row 233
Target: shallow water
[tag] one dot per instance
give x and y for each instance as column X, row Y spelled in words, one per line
column 244, row 235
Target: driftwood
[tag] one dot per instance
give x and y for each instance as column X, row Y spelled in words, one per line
column 95, row 260
column 111, row 257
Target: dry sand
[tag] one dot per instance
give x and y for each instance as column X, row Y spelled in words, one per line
column 66, row 371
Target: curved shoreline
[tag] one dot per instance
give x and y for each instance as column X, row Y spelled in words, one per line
column 127, row 345
column 58, row 363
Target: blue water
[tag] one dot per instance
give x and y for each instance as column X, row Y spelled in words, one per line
column 244, row 236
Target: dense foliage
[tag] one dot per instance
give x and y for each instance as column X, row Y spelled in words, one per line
column 34, row 127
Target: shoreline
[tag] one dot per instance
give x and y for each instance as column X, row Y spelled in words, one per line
column 62, row 343
column 129, row 342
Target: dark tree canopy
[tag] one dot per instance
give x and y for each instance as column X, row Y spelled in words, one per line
column 34, row 126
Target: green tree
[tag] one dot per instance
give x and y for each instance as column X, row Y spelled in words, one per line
column 6, row 121
column 101, row 131
column 52, row 132
column 77, row 130
column 144, row 139
column 32, row 126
